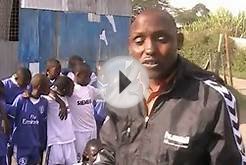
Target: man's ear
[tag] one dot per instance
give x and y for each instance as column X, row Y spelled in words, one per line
column 129, row 47
column 180, row 40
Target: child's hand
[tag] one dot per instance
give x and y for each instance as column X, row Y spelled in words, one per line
column 63, row 111
column 63, row 108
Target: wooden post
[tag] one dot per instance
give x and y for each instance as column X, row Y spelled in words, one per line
column 211, row 62
column 223, row 63
column 217, row 62
column 228, row 60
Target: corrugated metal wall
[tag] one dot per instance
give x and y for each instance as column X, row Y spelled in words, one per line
column 49, row 33
column 8, row 58
column 113, row 7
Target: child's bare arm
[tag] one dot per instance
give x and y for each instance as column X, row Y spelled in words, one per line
column 5, row 126
column 63, row 108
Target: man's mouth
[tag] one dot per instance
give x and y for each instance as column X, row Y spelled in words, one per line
column 150, row 63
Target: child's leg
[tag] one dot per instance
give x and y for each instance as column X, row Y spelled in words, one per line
column 10, row 153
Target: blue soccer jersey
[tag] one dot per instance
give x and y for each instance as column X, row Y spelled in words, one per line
column 30, row 118
column 12, row 90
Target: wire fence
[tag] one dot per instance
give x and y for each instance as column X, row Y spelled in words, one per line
column 9, row 20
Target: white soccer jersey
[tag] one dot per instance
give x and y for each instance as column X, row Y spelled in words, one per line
column 58, row 131
column 81, row 107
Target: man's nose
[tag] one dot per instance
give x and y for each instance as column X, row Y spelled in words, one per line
column 149, row 47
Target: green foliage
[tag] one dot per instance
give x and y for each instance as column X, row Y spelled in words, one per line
column 188, row 16
column 239, row 61
column 138, row 5
column 202, row 37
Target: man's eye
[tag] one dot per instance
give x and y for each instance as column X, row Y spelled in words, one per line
column 138, row 40
column 162, row 39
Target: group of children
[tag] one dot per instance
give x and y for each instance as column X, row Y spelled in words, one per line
column 53, row 112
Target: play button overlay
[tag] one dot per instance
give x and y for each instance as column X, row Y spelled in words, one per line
column 122, row 82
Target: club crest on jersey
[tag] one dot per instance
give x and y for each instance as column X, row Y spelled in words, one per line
column 175, row 140
column 41, row 109
column 22, row 161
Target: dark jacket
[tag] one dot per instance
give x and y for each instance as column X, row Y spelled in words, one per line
column 193, row 123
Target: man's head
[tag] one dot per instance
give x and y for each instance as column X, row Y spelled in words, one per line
column 23, row 77
column 63, row 86
column 153, row 41
column 53, row 68
column 40, row 85
column 82, row 74
column 74, row 61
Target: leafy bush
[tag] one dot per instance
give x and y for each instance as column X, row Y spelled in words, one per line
column 202, row 37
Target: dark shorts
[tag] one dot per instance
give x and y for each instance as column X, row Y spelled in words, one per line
column 28, row 156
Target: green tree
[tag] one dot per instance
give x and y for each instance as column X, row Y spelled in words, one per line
column 138, row 5
column 202, row 37
column 185, row 17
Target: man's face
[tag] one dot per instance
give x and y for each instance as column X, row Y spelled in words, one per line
column 153, row 42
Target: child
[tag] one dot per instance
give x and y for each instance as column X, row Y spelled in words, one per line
column 4, row 127
column 30, row 114
column 53, row 69
column 81, row 106
column 14, row 86
column 61, row 148
column 72, row 63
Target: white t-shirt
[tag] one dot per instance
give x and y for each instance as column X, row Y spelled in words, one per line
column 58, row 131
column 81, row 107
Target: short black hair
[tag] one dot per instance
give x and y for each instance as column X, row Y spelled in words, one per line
column 162, row 11
column 73, row 59
column 52, row 62
column 25, row 72
column 62, row 84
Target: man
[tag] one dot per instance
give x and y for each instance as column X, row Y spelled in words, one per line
column 188, row 118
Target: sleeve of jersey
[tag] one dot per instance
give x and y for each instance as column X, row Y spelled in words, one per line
column 13, row 109
column 108, row 138
column 226, row 144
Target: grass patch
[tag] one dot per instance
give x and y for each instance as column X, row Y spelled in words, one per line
column 241, row 75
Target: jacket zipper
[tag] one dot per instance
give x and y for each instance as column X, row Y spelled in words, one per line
column 146, row 120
